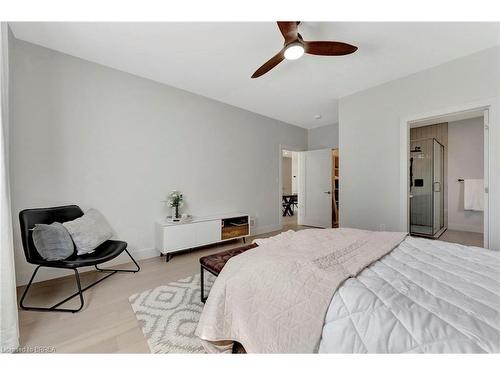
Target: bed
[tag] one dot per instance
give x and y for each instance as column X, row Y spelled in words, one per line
column 352, row 291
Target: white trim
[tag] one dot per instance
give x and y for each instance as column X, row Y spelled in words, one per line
column 50, row 273
column 491, row 175
column 280, row 178
column 138, row 254
column 144, row 254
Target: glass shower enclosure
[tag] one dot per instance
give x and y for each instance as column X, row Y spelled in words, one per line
column 426, row 188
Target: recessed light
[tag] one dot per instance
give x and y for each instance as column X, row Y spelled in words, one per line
column 317, row 117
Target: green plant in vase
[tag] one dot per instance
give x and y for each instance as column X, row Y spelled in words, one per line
column 175, row 200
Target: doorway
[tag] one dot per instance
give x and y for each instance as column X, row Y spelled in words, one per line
column 289, row 189
column 446, row 178
column 309, row 188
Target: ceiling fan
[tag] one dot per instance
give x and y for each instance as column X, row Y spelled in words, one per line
column 295, row 47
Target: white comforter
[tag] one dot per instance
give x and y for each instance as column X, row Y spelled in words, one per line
column 273, row 299
column 424, row 296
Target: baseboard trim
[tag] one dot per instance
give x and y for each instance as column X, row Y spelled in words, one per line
column 46, row 273
column 49, row 274
column 145, row 253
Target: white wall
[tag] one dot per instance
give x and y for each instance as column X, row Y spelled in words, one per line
column 323, row 137
column 98, row 137
column 465, row 160
column 370, row 135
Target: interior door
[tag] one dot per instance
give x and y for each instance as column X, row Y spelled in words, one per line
column 315, row 188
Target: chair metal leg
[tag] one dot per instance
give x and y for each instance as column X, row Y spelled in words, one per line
column 54, row 307
column 202, row 285
column 80, row 291
column 118, row 270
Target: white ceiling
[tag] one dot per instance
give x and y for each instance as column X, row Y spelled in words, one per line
column 216, row 59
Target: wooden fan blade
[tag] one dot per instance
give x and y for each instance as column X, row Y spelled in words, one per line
column 328, row 48
column 289, row 30
column 271, row 63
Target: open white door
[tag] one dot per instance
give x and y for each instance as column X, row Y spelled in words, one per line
column 315, row 188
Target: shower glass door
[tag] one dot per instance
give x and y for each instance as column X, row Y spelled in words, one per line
column 421, row 187
column 426, row 187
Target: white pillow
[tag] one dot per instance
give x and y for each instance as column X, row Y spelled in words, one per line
column 89, row 231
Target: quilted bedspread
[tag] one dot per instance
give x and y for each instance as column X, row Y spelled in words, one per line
column 274, row 298
column 425, row 296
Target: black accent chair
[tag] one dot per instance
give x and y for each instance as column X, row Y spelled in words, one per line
column 103, row 253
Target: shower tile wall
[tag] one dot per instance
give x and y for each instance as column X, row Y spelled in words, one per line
column 440, row 133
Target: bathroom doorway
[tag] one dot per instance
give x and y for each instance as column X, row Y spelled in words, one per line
column 446, row 178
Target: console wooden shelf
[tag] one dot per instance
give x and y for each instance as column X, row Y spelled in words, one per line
column 171, row 237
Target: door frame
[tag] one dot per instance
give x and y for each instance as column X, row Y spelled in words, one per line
column 280, row 177
column 491, row 109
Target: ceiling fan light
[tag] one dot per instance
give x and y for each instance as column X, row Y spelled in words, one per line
column 294, row 51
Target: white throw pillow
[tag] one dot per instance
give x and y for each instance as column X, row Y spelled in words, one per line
column 89, row 231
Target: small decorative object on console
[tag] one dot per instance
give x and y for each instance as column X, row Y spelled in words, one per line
column 175, row 200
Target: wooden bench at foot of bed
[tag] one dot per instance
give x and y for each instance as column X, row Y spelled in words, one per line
column 215, row 262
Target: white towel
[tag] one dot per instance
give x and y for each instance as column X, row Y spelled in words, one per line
column 474, row 194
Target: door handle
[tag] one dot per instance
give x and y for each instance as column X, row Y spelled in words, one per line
column 327, row 192
column 438, row 188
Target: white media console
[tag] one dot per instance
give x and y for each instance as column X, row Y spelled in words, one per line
column 200, row 231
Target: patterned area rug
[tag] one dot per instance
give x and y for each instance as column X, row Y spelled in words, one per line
column 169, row 315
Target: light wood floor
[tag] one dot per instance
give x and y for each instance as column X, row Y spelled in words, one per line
column 289, row 222
column 463, row 238
column 107, row 323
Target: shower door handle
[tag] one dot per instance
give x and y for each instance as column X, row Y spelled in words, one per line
column 437, row 188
